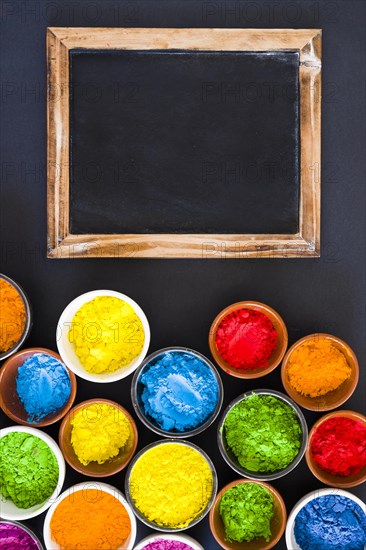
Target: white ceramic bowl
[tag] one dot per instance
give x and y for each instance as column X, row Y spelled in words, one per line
column 66, row 349
column 50, row 544
column 159, row 536
column 8, row 508
column 290, row 536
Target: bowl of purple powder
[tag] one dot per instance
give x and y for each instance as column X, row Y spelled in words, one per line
column 159, row 541
column 328, row 519
column 14, row 535
column 177, row 392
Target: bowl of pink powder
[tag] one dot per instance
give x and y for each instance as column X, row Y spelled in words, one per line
column 14, row 535
column 159, row 541
column 248, row 339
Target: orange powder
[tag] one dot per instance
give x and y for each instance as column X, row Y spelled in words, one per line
column 12, row 316
column 89, row 519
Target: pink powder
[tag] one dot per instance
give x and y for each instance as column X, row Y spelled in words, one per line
column 163, row 544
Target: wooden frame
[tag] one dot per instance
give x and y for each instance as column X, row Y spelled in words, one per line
column 63, row 244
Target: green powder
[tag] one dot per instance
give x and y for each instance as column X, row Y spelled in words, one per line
column 246, row 511
column 263, row 433
column 28, row 469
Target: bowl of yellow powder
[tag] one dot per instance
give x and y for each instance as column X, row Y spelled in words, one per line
column 90, row 515
column 320, row 372
column 171, row 485
column 103, row 336
column 98, row 437
column 15, row 317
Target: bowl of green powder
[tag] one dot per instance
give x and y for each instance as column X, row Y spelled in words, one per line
column 32, row 472
column 262, row 435
column 248, row 515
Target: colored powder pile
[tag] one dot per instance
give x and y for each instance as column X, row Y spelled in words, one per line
column 106, row 334
column 99, row 432
column 180, row 391
column 28, row 469
column 43, row 385
column 14, row 537
column 246, row 339
column 331, row 522
column 171, row 484
column 317, row 367
column 246, row 511
column 12, row 316
column 163, row 544
column 338, row 446
column 263, row 432
column 90, row 519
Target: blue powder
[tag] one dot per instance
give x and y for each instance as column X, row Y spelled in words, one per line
column 43, row 385
column 180, row 391
column 331, row 522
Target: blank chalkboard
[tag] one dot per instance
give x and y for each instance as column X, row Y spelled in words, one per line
column 184, row 142
column 178, row 143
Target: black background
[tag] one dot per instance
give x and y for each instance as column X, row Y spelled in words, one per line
column 181, row 297
column 182, row 142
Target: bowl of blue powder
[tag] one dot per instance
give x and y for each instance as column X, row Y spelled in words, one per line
column 36, row 387
column 327, row 519
column 177, row 392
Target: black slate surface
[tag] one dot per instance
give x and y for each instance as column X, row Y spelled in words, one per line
column 180, row 297
column 184, row 142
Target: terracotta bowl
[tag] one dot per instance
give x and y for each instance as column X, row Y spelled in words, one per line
column 278, row 353
column 9, row 398
column 333, row 399
column 325, row 477
column 278, row 522
column 94, row 469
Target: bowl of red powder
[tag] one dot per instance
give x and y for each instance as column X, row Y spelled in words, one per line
column 336, row 452
column 248, row 339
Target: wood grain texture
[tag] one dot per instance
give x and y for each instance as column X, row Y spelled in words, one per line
column 57, row 141
column 62, row 244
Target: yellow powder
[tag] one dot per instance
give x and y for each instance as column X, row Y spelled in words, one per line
column 317, row 367
column 99, row 432
column 171, row 484
column 106, row 334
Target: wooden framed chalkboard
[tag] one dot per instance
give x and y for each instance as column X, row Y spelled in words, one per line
column 196, row 143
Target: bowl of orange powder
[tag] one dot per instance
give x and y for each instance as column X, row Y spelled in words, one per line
column 90, row 515
column 320, row 372
column 15, row 317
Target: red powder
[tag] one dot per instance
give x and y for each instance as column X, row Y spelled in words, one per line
column 338, row 446
column 246, row 339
